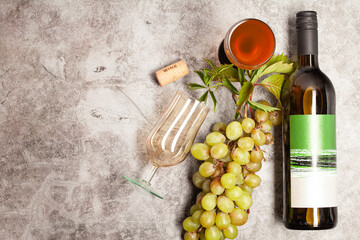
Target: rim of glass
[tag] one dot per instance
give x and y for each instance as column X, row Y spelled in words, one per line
column 229, row 53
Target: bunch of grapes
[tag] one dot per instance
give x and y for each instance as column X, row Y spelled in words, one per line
column 231, row 157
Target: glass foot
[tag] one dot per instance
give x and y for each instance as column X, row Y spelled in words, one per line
column 144, row 185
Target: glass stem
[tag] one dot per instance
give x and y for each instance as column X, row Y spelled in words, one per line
column 150, row 174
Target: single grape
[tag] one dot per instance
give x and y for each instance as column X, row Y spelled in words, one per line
column 215, row 137
column 253, row 167
column 195, row 207
column 233, row 130
column 245, row 201
column 261, row 116
column 208, row 202
column 246, row 143
column 212, row 233
column 191, row 236
column 219, row 127
column 206, row 185
column 233, row 193
column 258, row 136
column 246, row 188
column 222, row 220
column 196, row 215
column 231, row 232
column 228, row 180
column 207, row 219
column 239, row 179
column 225, row 204
column 227, row 158
column 234, row 167
column 275, row 117
column 198, row 180
column 216, row 187
column 264, row 102
column 256, row 155
column 238, row 217
column 206, row 169
column 200, row 151
column 248, row 124
column 240, row 156
column 269, row 138
column 189, row 225
column 252, row 180
column 265, row 126
column 219, row 150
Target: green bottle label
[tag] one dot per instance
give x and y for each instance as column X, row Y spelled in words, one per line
column 313, row 161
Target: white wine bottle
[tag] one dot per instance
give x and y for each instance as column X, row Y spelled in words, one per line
column 309, row 137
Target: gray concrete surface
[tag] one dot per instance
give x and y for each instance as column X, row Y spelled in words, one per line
column 78, row 97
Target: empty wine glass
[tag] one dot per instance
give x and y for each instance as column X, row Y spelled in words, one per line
column 171, row 138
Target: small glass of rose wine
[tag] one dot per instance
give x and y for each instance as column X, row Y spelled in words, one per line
column 170, row 140
column 248, row 44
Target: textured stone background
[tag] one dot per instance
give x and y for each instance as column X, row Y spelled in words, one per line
column 78, row 97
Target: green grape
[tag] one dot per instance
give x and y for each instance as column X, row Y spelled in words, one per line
column 238, row 217
column 245, row 201
column 269, row 138
column 228, row 180
column 218, row 172
column 199, row 197
column 246, row 188
column 206, row 186
column 275, row 117
column 231, row 232
column 233, row 130
column 202, row 234
column 227, row 158
column 191, row 236
column 248, row 124
column 219, row 150
column 216, row 187
column 239, row 179
column 261, row 116
column 234, row 167
column 253, row 167
column 256, row 155
column 196, row 215
column 233, row 193
column 265, row 126
column 206, row 169
column 240, row 156
column 246, row 143
column 208, row 202
column 222, row 220
column 264, row 102
column 252, row 180
column 225, row 204
column 198, row 180
column 195, row 207
column 219, row 127
column 215, row 137
column 258, row 136
column 207, row 219
column 189, row 225
column 212, row 233
column 200, row 151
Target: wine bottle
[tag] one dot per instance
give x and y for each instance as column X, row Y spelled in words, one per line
column 309, row 137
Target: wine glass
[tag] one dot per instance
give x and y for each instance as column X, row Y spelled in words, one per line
column 171, row 138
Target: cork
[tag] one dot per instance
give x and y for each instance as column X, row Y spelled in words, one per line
column 172, row 73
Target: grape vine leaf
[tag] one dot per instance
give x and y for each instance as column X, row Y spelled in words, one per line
column 210, row 63
column 229, row 85
column 207, row 78
column 241, row 76
column 230, row 72
column 261, row 107
column 195, row 86
column 278, row 67
column 274, row 84
column 213, row 98
column 244, row 94
column 203, row 97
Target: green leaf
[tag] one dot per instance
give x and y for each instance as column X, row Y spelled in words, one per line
column 195, row 86
column 278, row 58
column 201, row 75
column 203, row 97
column 230, row 72
column 207, row 78
column 261, row 107
column 274, row 84
column 244, row 94
column 214, row 99
column 278, row 67
column 209, row 62
column 226, row 82
column 241, row 76
column 257, row 74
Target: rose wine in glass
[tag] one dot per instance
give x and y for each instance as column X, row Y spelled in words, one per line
column 170, row 140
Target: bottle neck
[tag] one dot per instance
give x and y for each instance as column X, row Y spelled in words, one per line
column 308, row 61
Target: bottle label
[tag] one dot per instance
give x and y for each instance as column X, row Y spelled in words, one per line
column 313, row 161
